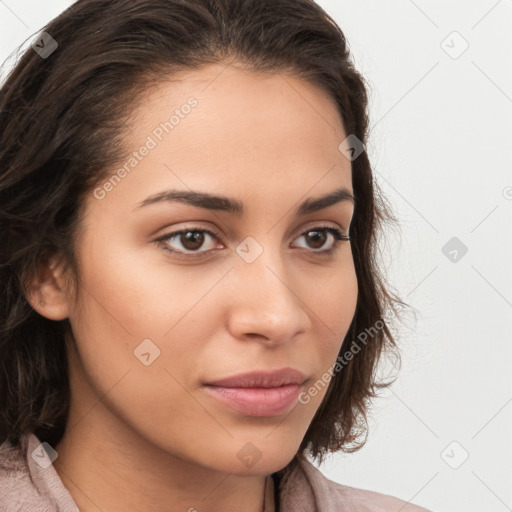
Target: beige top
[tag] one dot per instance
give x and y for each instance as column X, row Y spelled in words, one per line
column 29, row 483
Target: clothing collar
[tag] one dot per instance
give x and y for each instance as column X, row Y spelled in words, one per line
column 303, row 488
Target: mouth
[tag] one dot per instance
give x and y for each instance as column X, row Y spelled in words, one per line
column 260, row 393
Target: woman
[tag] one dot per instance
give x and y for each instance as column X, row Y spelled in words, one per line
column 192, row 300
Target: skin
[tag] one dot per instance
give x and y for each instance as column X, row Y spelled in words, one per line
column 149, row 437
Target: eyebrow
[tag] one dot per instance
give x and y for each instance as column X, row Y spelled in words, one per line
column 235, row 207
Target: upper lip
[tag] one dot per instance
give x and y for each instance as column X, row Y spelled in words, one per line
column 261, row 379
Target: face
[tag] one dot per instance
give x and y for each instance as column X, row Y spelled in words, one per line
column 263, row 287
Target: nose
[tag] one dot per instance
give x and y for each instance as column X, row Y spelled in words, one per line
column 267, row 302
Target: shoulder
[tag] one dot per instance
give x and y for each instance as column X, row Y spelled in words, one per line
column 332, row 496
column 15, row 482
column 28, row 481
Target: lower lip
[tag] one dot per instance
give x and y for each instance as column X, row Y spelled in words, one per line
column 258, row 401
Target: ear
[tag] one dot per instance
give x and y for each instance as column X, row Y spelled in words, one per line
column 48, row 293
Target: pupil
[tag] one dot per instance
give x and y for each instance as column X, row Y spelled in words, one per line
column 195, row 237
column 320, row 237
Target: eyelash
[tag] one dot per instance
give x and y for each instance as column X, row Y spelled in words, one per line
column 338, row 235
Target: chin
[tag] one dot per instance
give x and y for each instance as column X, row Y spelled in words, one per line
column 259, row 458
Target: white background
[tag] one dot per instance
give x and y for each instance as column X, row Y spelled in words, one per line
column 441, row 149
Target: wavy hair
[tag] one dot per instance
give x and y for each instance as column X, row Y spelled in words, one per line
column 61, row 126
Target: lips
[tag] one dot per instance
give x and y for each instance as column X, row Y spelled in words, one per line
column 261, row 379
column 259, row 393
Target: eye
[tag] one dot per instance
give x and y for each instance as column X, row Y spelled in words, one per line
column 192, row 239
column 319, row 234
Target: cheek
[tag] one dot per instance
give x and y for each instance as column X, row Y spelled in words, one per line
column 138, row 289
column 334, row 305
column 136, row 308
column 135, row 327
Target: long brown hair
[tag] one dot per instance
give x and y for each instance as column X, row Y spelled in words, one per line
column 61, row 122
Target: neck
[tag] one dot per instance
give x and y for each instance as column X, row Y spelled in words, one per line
column 113, row 469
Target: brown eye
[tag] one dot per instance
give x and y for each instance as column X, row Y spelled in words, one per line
column 318, row 236
column 187, row 242
column 191, row 240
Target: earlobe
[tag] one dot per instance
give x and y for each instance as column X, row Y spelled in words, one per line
column 48, row 293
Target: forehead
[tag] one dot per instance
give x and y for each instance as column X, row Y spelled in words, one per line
column 236, row 132
column 240, row 107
